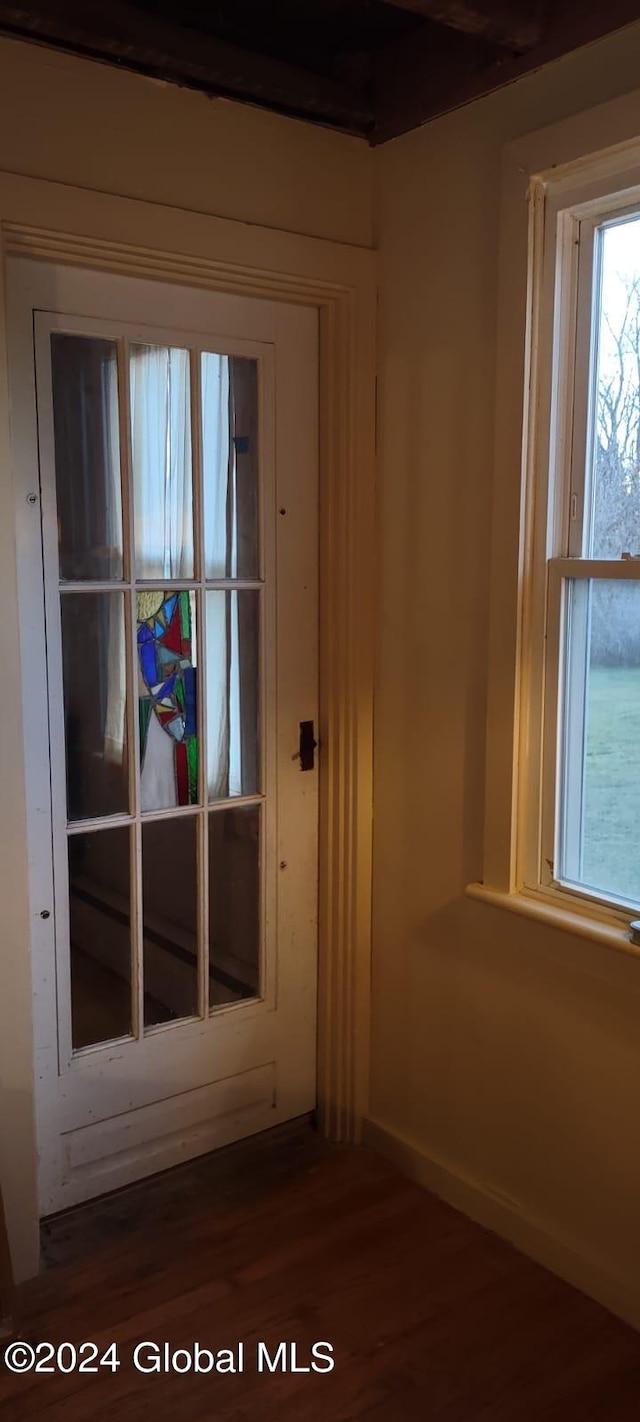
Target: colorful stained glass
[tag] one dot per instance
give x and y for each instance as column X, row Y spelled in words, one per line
column 166, row 655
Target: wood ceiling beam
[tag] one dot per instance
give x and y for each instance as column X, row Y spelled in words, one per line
column 416, row 79
column 115, row 32
column 499, row 21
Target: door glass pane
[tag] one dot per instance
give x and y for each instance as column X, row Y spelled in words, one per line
column 230, row 465
column 233, row 693
column 160, row 399
column 87, row 456
column 100, row 935
column 94, row 676
column 170, row 908
column 234, row 904
column 600, row 799
column 97, row 666
column 167, row 698
column 614, row 525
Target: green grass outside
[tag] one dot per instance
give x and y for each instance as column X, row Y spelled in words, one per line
column 611, row 860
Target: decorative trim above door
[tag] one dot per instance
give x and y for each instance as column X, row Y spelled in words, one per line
column 49, row 222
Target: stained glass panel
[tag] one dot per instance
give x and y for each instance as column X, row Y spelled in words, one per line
column 167, row 700
column 599, row 802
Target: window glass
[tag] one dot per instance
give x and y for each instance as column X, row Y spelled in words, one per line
column 229, row 397
column 84, row 373
column 95, row 696
column 233, row 693
column 100, row 935
column 614, row 525
column 161, row 461
column 167, row 698
column 170, row 911
column 600, row 741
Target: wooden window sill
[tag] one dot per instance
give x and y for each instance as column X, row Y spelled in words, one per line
column 612, row 933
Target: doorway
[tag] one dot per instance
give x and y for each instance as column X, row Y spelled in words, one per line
column 172, row 671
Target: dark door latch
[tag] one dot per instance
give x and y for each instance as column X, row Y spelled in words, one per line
column 308, row 745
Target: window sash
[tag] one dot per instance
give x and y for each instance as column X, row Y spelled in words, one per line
column 582, row 390
column 565, row 332
column 552, row 180
column 561, row 762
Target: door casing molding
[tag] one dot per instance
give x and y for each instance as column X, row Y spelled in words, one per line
column 51, row 222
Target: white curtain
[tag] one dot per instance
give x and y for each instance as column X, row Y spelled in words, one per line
column 235, row 733
column 163, row 511
column 216, row 451
column 224, row 768
column 160, row 399
column 161, row 461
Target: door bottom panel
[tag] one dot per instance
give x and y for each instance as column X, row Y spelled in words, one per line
column 152, row 1138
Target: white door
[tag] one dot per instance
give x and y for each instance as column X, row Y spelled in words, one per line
column 165, row 452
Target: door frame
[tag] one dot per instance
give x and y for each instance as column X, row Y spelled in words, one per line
column 52, row 222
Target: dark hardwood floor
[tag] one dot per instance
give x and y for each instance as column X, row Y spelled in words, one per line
column 288, row 1239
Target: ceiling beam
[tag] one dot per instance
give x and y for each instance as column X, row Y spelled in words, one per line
column 511, row 25
column 417, row 79
column 116, row 32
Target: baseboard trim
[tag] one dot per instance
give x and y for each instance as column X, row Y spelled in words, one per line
column 503, row 1217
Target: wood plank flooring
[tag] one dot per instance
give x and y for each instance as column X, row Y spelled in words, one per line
column 288, row 1239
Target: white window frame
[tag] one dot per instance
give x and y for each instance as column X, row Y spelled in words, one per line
column 561, row 398
column 558, row 187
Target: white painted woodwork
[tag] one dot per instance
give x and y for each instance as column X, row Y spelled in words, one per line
column 544, row 430
column 557, row 184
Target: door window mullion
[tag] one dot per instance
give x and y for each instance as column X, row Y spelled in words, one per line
column 203, row 819
column 137, row 945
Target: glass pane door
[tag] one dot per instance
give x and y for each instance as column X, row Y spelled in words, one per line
column 161, row 613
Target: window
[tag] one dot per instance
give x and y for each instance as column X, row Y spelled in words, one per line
column 580, row 835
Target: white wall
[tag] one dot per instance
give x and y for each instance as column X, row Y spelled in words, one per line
column 502, row 1072
column 98, row 127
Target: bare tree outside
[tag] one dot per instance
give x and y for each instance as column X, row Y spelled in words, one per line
column 616, row 511
column 615, row 523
